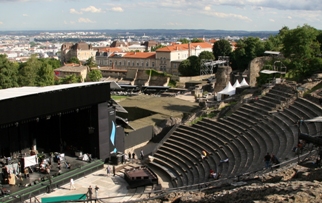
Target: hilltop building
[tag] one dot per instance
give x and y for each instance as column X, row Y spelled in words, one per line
column 81, row 50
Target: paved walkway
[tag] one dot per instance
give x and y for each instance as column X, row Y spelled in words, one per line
column 109, row 186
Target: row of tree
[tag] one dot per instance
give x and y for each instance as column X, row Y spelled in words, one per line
column 37, row 72
column 301, row 49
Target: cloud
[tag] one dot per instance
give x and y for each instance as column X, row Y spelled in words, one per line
column 173, row 24
column 228, row 15
column 289, row 17
column 271, row 20
column 207, row 8
column 25, row 15
column 92, row 9
column 85, row 20
column 73, row 11
column 1, row 23
column 117, row 9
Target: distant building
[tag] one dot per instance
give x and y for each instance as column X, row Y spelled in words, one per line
column 102, row 55
column 168, row 58
column 126, row 60
column 81, row 50
column 165, row 59
column 72, row 68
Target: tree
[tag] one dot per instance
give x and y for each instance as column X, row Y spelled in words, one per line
column 301, row 47
column 73, row 60
column 95, row 75
column 184, row 41
column 273, row 43
column 221, row 48
column 8, row 73
column 157, row 47
column 51, row 61
column 206, row 55
column 91, row 62
column 247, row 49
column 190, row 66
column 196, row 40
column 45, row 75
column 69, row 79
column 301, row 43
column 28, row 71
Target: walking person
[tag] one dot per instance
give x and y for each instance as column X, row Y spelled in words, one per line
column 96, row 191
column 72, row 186
column 108, row 170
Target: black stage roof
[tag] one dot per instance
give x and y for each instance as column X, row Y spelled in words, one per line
column 23, row 103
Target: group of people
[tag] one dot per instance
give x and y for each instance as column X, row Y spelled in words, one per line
column 271, row 161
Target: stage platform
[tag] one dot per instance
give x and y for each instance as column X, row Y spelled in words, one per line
column 38, row 182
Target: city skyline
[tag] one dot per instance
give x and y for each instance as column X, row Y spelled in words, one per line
column 250, row 15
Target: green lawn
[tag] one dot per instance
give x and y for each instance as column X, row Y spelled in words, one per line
column 118, row 97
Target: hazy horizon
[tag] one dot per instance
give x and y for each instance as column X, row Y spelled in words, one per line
column 239, row 15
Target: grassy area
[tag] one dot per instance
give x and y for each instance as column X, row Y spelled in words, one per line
column 119, row 97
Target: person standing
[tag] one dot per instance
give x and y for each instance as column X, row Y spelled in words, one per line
column 142, row 154
column 96, row 191
column 267, row 160
column 133, row 155
column 89, row 193
column 113, row 170
column 72, row 184
column 108, row 170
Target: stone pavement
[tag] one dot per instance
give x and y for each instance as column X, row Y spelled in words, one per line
column 109, row 186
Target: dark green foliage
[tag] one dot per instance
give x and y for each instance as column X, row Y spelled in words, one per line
column 8, row 73
column 206, row 55
column 184, row 41
column 73, row 60
column 247, row 49
column 190, row 66
column 157, row 47
column 302, row 49
column 95, row 75
column 69, row 79
column 91, row 62
column 221, row 48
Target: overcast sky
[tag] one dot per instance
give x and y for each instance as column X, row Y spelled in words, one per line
column 250, row 15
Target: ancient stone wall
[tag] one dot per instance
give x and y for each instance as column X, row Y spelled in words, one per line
column 222, row 77
column 254, row 67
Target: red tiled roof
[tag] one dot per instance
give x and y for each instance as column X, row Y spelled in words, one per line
column 184, row 47
column 143, row 55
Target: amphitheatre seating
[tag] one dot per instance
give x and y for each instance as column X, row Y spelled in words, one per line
column 141, row 78
column 244, row 137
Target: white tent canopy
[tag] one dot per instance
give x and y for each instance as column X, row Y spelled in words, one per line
column 244, row 83
column 228, row 90
column 237, row 84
